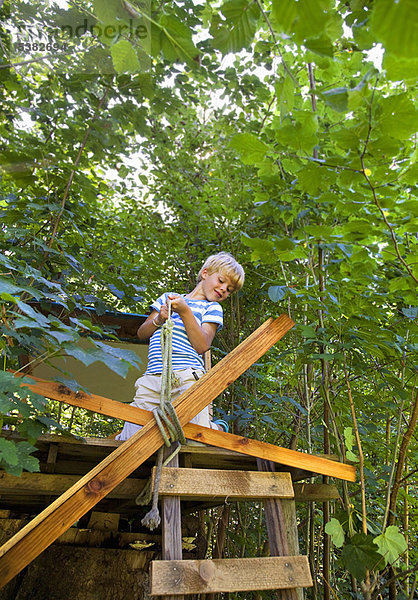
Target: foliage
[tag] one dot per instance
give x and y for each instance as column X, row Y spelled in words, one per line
column 263, row 128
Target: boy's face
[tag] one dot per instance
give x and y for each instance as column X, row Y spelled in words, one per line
column 216, row 286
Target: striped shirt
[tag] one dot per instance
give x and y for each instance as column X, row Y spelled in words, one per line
column 184, row 355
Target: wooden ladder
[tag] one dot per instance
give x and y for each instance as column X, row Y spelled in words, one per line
column 46, row 527
column 284, row 570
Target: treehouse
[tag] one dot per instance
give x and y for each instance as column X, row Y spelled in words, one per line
column 61, row 553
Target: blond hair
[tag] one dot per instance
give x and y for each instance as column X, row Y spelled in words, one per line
column 224, row 263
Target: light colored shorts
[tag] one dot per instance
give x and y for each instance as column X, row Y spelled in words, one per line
column 147, row 396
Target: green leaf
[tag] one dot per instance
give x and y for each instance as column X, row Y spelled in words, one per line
column 120, row 353
column 305, row 20
column 124, row 57
column 326, row 356
column 8, row 297
column 397, row 116
column 7, row 286
column 6, row 404
column 321, row 46
column 400, row 69
column 8, row 382
column 87, row 356
column 63, row 336
column 252, row 149
column 336, row 531
column 359, row 555
column 349, row 438
column 40, row 319
column 310, row 178
column 395, row 24
column 277, row 292
column 176, row 40
column 24, row 459
column 86, row 324
column 351, row 456
column 284, row 14
column 21, row 322
column 8, row 453
column 238, row 31
column 411, row 313
column 106, row 11
column 262, row 249
column 307, row 331
column 336, row 98
column 391, row 544
column 31, row 428
column 285, row 93
column 300, row 132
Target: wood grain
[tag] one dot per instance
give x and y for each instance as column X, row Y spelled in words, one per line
column 178, row 577
column 235, row 485
column 44, row 484
column 315, row 492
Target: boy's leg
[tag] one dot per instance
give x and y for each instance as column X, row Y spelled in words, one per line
column 147, row 396
column 186, row 379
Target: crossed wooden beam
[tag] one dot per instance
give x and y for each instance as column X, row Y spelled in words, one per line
column 44, row 529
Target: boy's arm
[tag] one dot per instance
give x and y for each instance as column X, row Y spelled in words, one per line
column 200, row 336
column 149, row 326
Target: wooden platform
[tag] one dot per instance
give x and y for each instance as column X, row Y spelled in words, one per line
column 64, row 459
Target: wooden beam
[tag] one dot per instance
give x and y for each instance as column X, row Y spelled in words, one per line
column 315, row 492
column 87, row 537
column 101, row 521
column 235, row 485
column 228, row 441
column 28, row 543
column 44, row 484
column 177, row 577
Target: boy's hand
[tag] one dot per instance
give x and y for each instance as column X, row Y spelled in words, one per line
column 178, row 303
column 163, row 316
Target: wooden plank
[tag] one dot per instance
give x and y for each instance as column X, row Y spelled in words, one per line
column 228, row 441
column 85, row 537
column 101, row 521
column 315, row 492
column 44, row 484
column 211, row 483
column 51, row 461
column 291, row 529
column 28, row 543
column 228, row 575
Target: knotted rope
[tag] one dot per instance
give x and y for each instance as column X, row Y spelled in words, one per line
column 165, row 415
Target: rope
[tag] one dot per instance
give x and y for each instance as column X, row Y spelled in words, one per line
column 166, row 418
column 146, row 495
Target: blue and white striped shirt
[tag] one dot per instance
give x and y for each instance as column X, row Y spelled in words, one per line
column 184, row 355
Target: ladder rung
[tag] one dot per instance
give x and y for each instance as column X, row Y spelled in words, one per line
column 177, row 577
column 211, row 483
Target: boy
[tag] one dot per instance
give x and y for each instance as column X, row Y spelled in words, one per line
column 196, row 316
